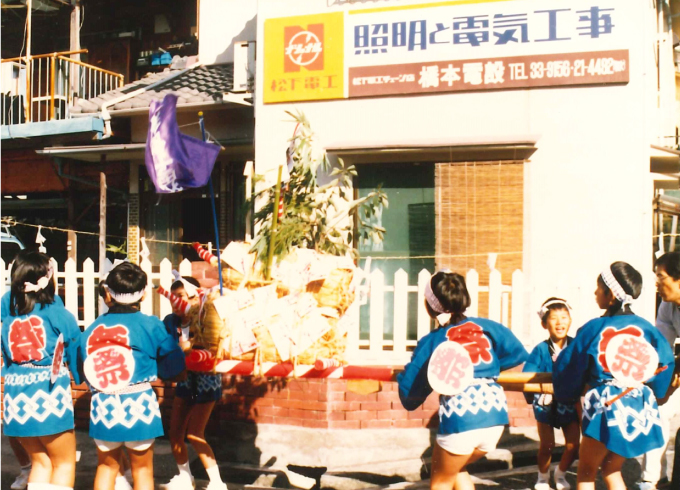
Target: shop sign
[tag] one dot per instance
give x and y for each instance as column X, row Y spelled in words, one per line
column 445, row 46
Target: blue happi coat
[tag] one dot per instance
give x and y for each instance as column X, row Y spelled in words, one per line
column 631, row 425
column 32, row 405
column 546, row 410
column 493, row 348
column 133, row 414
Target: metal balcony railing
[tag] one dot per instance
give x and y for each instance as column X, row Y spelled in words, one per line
column 45, row 87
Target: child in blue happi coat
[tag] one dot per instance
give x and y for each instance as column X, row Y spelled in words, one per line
column 122, row 350
column 618, row 423
column 555, row 315
column 472, row 421
column 37, row 405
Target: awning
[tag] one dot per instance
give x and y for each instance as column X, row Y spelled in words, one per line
column 436, row 150
column 664, row 160
column 84, row 126
column 241, row 149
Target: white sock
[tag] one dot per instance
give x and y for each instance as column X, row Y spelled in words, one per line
column 26, row 469
column 128, row 475
column 184, row 469
column 544, row 477
column 560, row 474
column 214, row 473
column 60, row 487
column 39, row 486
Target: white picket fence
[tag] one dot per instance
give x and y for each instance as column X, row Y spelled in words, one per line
column 505, row 304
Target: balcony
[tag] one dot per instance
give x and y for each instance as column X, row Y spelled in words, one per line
column 40, row 89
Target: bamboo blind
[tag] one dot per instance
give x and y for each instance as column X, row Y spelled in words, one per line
column 479, row 209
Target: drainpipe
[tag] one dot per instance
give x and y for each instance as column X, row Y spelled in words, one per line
column 106, row 115
column 58, row 162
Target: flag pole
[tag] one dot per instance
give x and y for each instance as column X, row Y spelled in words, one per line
column 275, row 216
column 214, row 213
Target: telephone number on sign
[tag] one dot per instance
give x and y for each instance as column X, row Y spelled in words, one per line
column 579, row 68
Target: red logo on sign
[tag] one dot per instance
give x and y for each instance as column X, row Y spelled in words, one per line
column 103, row 336
column 303, row 48
column 471, row 336
column 608, row 334
column 27, row 339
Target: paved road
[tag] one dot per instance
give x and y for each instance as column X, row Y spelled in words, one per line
column 239, row 477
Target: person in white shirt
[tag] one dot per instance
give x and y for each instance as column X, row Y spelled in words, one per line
column 654, row 464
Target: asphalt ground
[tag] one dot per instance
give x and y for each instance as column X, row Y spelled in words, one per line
column 512, row 466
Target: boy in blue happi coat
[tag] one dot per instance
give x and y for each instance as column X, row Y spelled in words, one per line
column 122, row 349
column 555, row 315
column 618, row 422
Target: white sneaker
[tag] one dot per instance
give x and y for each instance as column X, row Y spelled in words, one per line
column 561, row 483
column 180, row 482
column 122, row 483
column 542, row 485
column 646, row 485
column 216, row 485
column 21, row 481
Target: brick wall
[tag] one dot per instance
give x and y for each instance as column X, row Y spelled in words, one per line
column 313, row 403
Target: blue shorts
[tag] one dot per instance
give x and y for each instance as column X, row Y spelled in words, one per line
column 200, row 387
column 556, row 414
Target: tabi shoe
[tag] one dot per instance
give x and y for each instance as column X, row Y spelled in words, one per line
column 542, row 485
column 561, row 483
column 180, row 482
column 216, row 485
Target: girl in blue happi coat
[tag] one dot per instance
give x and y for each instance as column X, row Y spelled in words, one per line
column 617, row 423
column 555, row 315
column 37, row 405
column 122, row 349
column 472, row 421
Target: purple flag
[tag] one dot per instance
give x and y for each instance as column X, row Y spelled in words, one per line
column 174, row 160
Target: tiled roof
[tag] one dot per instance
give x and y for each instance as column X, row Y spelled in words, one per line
column 203, row 84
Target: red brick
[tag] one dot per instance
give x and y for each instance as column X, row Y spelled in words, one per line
column 274, row 411
column 315, row 424
column 261, row 402
column 416, row 415
column 399, row 406
column 334, row 416
column 331, row 396
column 278, row 394
column 361, row 415
column 305, row 395
column 376, row 424
column 337, row 385
column 379, row 406
column 297, row 385
column 356, row 397
column 344, row 424
column 388, row 386
column 388, row 396
column 393, row 415
column 289, row 421
column 407, row 424
column 346, row 406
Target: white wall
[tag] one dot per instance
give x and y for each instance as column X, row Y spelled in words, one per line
column 587, row 190
column 221, row 23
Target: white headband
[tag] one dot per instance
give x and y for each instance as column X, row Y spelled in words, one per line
column 432, row 300
column 43, row 282
column 545, row 307
column 615, row 287
column 126, row 298
column 190, row 289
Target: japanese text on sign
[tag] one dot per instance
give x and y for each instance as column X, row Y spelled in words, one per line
column 501, row 73
column 450, row 369
column 631, row 359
